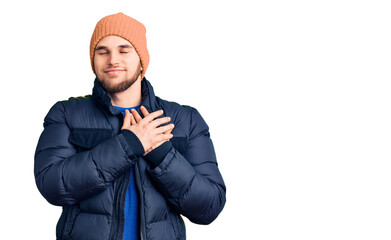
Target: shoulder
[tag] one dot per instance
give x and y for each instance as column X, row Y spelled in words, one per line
column 77, row 101
column 74, row 103
column 78, row 98
column 73, row 106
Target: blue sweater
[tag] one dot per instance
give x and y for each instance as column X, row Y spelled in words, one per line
column 131, row 231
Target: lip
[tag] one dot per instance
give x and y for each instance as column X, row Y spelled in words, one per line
column 113, row 71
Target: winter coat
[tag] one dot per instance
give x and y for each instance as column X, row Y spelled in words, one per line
column 82, row 163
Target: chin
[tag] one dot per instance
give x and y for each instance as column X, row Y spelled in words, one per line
column 117, row 86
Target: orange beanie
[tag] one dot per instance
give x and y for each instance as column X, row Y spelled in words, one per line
column 126, row 27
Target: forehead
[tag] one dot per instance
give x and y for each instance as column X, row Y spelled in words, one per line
column 113, row 41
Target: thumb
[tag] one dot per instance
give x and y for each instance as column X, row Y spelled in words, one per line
column 126, row 123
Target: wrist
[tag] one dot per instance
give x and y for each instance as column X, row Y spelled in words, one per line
column 133, row 141
column 157, row 155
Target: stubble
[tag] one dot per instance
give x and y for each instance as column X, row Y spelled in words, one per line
column 122, row 86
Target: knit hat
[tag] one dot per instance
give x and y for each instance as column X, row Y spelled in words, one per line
column 126, row 27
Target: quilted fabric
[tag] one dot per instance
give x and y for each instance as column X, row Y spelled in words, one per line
column 82, row 163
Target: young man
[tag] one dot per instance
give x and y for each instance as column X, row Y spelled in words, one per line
column 123, row 163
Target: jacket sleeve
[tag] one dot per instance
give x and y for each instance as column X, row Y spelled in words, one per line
column 65, row 177
column 192, row 182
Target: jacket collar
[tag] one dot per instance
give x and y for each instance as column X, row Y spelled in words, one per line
column 100, row 96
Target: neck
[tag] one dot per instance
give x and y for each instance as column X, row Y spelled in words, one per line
column 131, row 97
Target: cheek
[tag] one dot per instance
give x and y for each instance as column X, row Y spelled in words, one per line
column 97, row 64
column 133, row 63
column 132, row 60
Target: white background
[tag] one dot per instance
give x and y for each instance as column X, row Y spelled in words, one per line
column 296, row 95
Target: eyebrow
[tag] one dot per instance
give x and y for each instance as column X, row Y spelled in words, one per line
column 120, row 46
column 125, row 46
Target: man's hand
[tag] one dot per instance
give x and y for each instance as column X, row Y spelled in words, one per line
column 147, row 129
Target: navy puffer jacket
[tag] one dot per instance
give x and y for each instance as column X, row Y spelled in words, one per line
column 83, row 161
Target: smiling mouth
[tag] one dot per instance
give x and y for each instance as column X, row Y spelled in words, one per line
column 114, row 71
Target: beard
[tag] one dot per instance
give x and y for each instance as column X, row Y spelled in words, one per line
column 122, row 86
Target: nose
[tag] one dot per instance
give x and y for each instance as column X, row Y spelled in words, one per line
column 113, row 58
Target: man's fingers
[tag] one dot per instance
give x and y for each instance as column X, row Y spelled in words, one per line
column 152, row 116
column 164, row 129
column 127, row 118
column 136, row 115
column 147, row 118
column 132, row 120
column 164, row 137
column 160, row 121
column 144, row 111
column 168, row 131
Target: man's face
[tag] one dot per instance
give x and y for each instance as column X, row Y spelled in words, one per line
column 117, row 64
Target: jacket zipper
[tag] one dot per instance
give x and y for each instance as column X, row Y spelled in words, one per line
column 72, row 213
column 119, row 218
column 141, row 201
column 117, row 227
